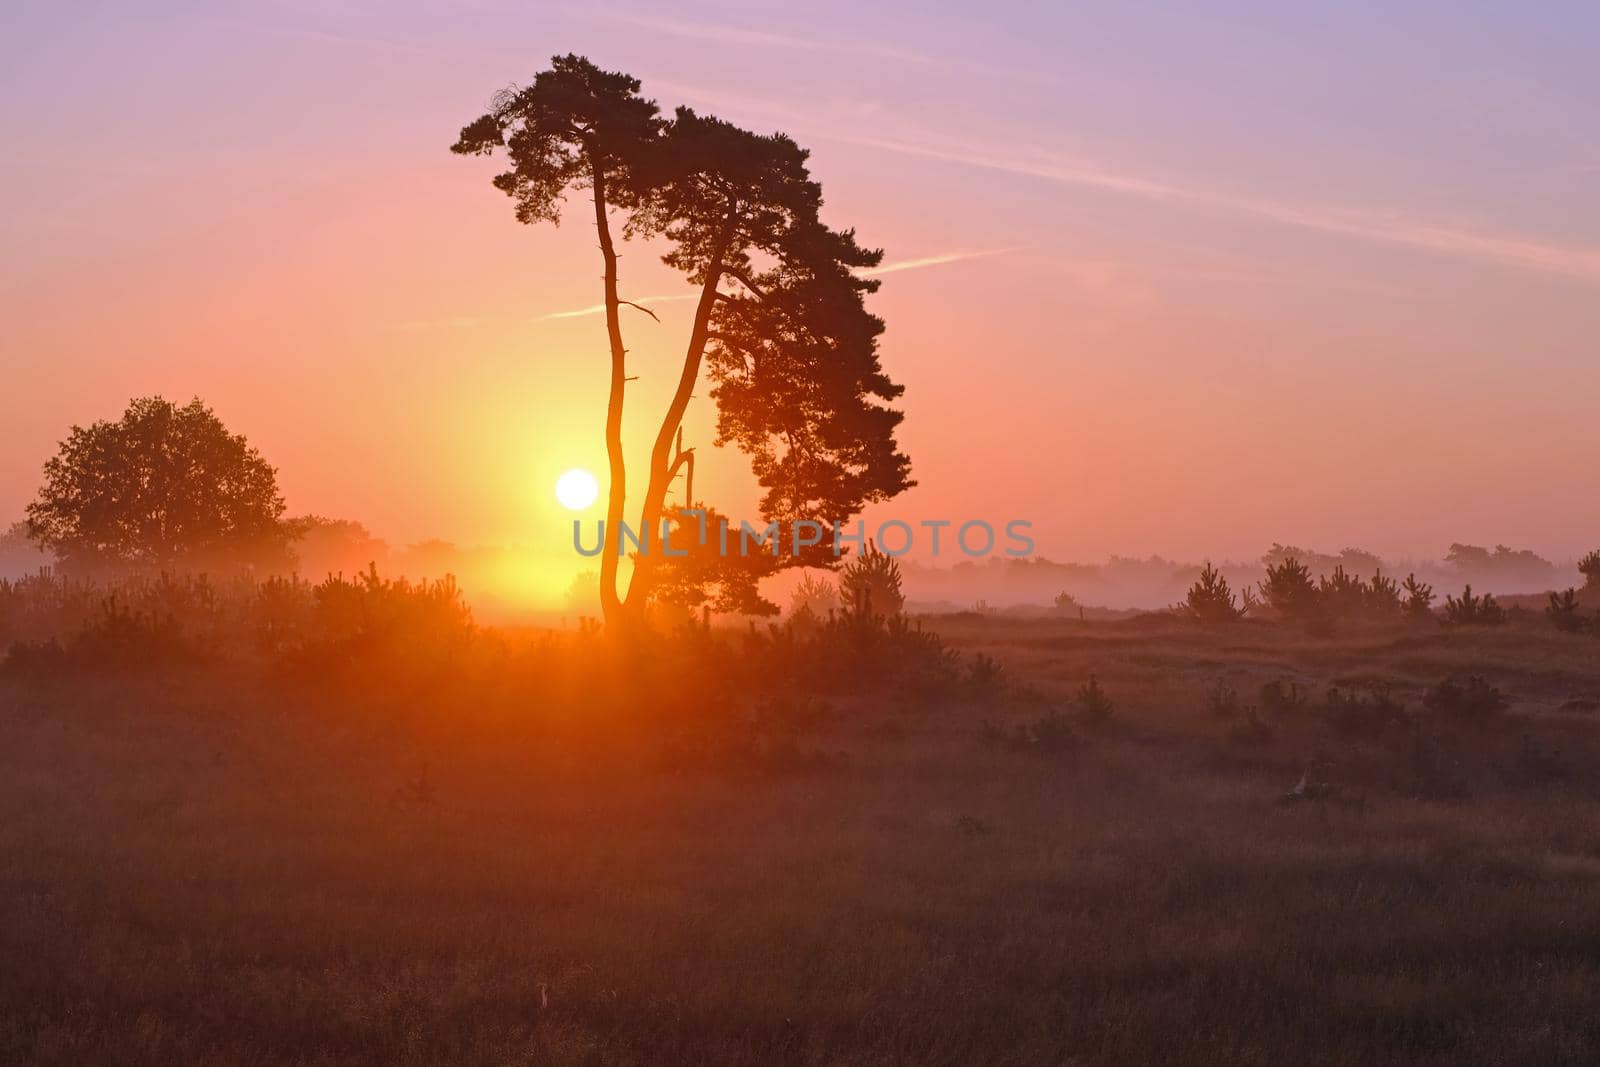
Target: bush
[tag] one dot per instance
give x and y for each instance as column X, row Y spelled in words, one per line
column 984, row 674
column 1467, row 698
column 1222, row 700
column 870, row 584
column 1210, row 601
column 1094, row 706
column 1563, row 612
column 1418, row 603
column 813, row 598
column 1341, row 596
column 1289, row 590
column 1589, row 567
column 1366, row 712
column 1469, row 610
column 1282, row 696
column 1051, row 734
column 1381, row 597
column 118, row 638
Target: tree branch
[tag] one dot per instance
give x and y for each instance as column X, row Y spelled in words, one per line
column 640, row 307
column 744, row 279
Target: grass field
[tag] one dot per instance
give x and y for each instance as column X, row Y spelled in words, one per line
column 203, row 865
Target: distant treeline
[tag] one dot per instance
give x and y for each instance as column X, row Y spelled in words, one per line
column 1155, row 582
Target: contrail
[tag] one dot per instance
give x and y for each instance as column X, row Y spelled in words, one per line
column 597, row 309
column 1507, row 250
column 935, row 261
column 719, row 33
column 886, row 268
column 1574, row 261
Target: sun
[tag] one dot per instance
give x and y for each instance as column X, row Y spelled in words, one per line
column 577, row 489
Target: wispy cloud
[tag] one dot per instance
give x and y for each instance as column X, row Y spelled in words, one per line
column 722, row 33
column 1512, row 251
column 1443, row 238
column 342, row 40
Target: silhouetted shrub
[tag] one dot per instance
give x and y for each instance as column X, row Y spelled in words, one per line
column 1341, row 596
column 1095, row 708
column 1252, row 728
column 1289, row 590
column 1469, row 610
column 35, row 659
column 1467, row 698
column 1563, row 612
column 1222, row 700
column 984, row 674
column 813, row 599
column 870, row 584
column 117, row 638
column 1051, row 734
column 1381, row 597
column 282, row 611
column 1589, row 567
column 1282, row 697
column 1418, row 604
column 1210, row 601
column 1366, row 712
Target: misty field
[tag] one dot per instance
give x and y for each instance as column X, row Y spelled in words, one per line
column 218, row 863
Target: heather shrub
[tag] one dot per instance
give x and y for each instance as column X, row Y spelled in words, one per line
column 1365, row 711
column 1469, row 698
column 1094, row 706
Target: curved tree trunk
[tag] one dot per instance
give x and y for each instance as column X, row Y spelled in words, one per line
column 610, row 603
column 661, row 465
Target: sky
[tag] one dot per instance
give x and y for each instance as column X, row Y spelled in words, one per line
column 1171, row 280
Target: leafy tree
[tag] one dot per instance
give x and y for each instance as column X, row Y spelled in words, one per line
column 163, row 487
column 1210, row 601
column 325, row 546
column 1289, row 590
column 700, row 574
column 779, row 318
column 18, row 554
column 1504, row 564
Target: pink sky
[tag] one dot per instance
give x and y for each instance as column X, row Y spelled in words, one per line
column 1256, row 276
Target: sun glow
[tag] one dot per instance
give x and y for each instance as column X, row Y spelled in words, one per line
column 577, row 489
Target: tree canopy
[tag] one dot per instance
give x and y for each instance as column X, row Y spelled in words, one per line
column 162, row 487
column 780, row 320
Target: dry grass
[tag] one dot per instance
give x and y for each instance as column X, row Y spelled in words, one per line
column 209, row 867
